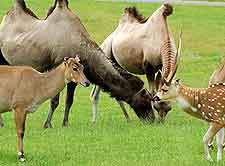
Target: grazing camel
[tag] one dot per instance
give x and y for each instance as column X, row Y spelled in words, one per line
column 23, row 89
column 218, row 76
column 207, row 104
column 136, row 46
column 43, row 44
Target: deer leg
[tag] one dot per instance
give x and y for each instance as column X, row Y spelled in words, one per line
column 20, row 118
column 124, row 110
column 220, row 138
column 95, row 95
column 69, row 102
column 213, row 129
column 53, row 105
column 1, row 121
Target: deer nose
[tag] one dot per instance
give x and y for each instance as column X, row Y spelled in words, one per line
column 85, row 83
column 156, row 98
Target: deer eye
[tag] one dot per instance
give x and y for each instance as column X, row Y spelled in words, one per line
column 75, row 69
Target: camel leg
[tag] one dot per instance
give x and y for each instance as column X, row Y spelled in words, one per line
column 150, row 74
column 1, row 121
column 95, row 95
column 69, row 102
column 124, row 110
column 53, row 105
column 220, row 139
column 213, row 129
column 20, row 118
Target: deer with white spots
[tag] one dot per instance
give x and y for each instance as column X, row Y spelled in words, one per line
column 204, row 103
column 218, row 76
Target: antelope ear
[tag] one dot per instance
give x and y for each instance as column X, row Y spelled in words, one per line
column 77, row 58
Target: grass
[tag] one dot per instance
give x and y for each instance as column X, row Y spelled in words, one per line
column 112, row 141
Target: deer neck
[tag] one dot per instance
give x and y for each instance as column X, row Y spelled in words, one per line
column 188, row 99
column 51, row 83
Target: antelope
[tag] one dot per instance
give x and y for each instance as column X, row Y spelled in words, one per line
column 23, row 89
column 135, row 45
column 41, row 44
column 207, row 104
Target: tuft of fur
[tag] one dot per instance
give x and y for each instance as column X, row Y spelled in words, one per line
column 52, row 8
column 22, row 4
column 133, row 11
column 168, row 9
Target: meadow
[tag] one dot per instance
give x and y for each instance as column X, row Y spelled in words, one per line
column 112, row 141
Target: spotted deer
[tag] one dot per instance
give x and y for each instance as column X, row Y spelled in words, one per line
column 207, row 104
column 23, row 89
column 218, row 76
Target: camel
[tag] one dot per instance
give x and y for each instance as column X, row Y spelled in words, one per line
column 43, row 43
column 136, row 46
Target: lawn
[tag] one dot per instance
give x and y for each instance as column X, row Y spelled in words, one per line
column 112, row 141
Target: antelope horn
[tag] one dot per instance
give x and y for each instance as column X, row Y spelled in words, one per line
column 177, row 59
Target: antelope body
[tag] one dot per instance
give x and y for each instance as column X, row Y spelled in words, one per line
column 43, row 44
column 23, row 89
column 204, row 103
column 137, row 46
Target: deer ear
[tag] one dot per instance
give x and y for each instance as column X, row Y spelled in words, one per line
column 77, row 58
column 66, row 58
column 177, row 81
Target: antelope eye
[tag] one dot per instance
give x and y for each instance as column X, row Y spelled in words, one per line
column 75, row 69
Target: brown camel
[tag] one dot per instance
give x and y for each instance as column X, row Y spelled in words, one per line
column 137, row 46
column 43, row 44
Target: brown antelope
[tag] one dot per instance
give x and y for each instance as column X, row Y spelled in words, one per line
column 218, row 76
column 135, row 45
column 23, row 89
column 204, row 103
column 43, row 44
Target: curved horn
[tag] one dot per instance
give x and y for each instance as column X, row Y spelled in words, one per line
column 177, row 59
column 168, row 53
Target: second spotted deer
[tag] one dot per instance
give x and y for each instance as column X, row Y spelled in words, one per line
column 204, row 103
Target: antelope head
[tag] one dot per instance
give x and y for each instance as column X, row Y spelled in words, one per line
column 169, row 86
column 74, row 71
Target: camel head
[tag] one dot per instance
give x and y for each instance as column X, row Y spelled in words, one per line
column 141, row 103
column 74, row 71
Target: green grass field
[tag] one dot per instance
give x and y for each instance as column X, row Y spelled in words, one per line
column 112, row 141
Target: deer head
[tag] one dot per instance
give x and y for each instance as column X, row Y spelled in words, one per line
column 74, row 71
column 169, row 86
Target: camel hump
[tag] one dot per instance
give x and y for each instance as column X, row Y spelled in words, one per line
column 21, row 4
column 168, row 9
column 62, row 3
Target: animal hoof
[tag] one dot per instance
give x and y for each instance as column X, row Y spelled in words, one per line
column 209, row 159
column 65, row 124
column 47, row 125
column 21, row 157
column 1, row 125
